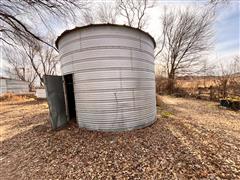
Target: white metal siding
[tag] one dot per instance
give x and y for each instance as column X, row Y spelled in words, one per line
column 17, row 86
column 113, row 74
column 3, row 86
column 41, row 93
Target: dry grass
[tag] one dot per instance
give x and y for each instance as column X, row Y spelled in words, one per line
column 190, row 139
column 14, row 97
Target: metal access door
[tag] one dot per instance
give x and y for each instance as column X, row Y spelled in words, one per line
column 56, row 101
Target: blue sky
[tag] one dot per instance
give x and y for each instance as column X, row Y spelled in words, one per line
column 227, row 29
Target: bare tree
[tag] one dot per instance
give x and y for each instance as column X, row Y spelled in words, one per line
column 223, row 81
column 20, row 66
column 229, row 78
column 134, row 11
column 13, row 15
column 107, row 12
column 206, row 71
column 236, row 75
column 87, row 17
column 216, row 2
column 49, row 60
column 236, row 64
column 43, row 58
column 187, row 36
column 31, row 49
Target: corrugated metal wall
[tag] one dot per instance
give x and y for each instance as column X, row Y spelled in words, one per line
column 113, row 74
column 13, row 86
column 3, row 86
column 41, row 93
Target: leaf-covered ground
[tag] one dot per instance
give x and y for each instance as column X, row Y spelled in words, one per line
column 191, row 139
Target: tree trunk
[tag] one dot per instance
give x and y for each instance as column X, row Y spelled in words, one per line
column 225, row 88
column 171, row 83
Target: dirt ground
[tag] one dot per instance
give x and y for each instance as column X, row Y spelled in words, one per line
column 191, row 139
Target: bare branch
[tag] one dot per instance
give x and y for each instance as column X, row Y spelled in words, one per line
column 107, row 12
column 187, row 36
column 13, row 17
column 134, row 11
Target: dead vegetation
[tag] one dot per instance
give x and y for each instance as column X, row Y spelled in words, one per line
column 14, row 97
column 190, row 139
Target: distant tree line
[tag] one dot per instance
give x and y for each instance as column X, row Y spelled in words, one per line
column 27, row 28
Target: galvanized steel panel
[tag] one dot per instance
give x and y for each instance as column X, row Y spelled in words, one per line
column 41, row 93
column 13, row 86
column 3, row 86
column 113, row 76
column 109, row 41
column 56, row 101
column 124, row 33
column 105, row 54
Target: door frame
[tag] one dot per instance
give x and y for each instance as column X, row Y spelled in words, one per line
column 66, row 96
